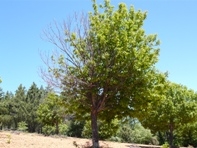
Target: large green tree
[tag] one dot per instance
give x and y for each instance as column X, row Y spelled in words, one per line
column 106, row 65
column 175, row 110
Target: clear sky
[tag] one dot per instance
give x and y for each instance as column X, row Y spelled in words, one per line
column 22, row 23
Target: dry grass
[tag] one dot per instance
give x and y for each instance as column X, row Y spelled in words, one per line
column 28, row 140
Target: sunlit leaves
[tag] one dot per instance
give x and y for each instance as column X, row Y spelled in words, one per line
column 50, row 111
column 108, row 68
column 176, row 109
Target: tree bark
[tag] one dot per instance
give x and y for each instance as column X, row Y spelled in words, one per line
column 94, row 125
column 171, row 136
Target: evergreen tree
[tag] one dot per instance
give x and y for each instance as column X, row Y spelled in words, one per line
column 1, row 94
column 5, row 111
column 18, row 106
column 32, row 101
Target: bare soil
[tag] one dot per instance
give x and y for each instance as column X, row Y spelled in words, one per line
column 9, row 139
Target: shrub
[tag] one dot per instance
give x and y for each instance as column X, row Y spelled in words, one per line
column 137, row 134
column 48, row 130
column 165, row 145
column 75, row 129
column 63, row 129
column 22, row 126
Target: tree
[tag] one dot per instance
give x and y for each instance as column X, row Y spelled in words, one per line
column 51, row 111
column 24, row 106
column 18, row 106
column 106, row 64
column 5, row 110
column 174, row 111
column 32, row 101
column 1, row 94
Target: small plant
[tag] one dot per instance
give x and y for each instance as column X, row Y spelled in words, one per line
column 22, row 126
column 165, row 145
column 48, row 130
column 63, row 129
column 9, row 139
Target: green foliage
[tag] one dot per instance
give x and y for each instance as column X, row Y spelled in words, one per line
column 32, row 102
column 22, row 126
column 75, row 128
column 48, row 130
column 161, row 137
column 51, row 130
column 5, row 109
column 106, row 130
column 63, row 129
column 1, row 94
column 9, row 139
column 136, row 134
column 174, row 111
column 18, row 106
column 187, row 135
column 51, row 112
column 165, row 145
column 106, row 68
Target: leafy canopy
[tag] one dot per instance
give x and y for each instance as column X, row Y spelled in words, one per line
column 107, row 62
column 176, row 109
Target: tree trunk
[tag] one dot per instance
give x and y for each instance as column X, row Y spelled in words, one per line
column 95, row 136
column 171, row 137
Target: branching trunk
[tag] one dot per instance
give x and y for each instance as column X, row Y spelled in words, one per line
column 95, row 136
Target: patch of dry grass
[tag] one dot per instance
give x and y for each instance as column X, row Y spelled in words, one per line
column 32, row 140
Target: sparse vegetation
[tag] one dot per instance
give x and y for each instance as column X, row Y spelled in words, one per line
column 22, row 126
column 9, row 139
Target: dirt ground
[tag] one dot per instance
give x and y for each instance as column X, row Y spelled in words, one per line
column 10, row 139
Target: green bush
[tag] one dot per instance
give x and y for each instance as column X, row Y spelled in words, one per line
column 125, row 133
column 75, row 129
column 165, row 145
column 22, row 126
column 48, row 130
column 136, row 134
column 115, row 138
column 63, row 129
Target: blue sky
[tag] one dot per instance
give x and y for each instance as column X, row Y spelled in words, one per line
column 22, row 23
